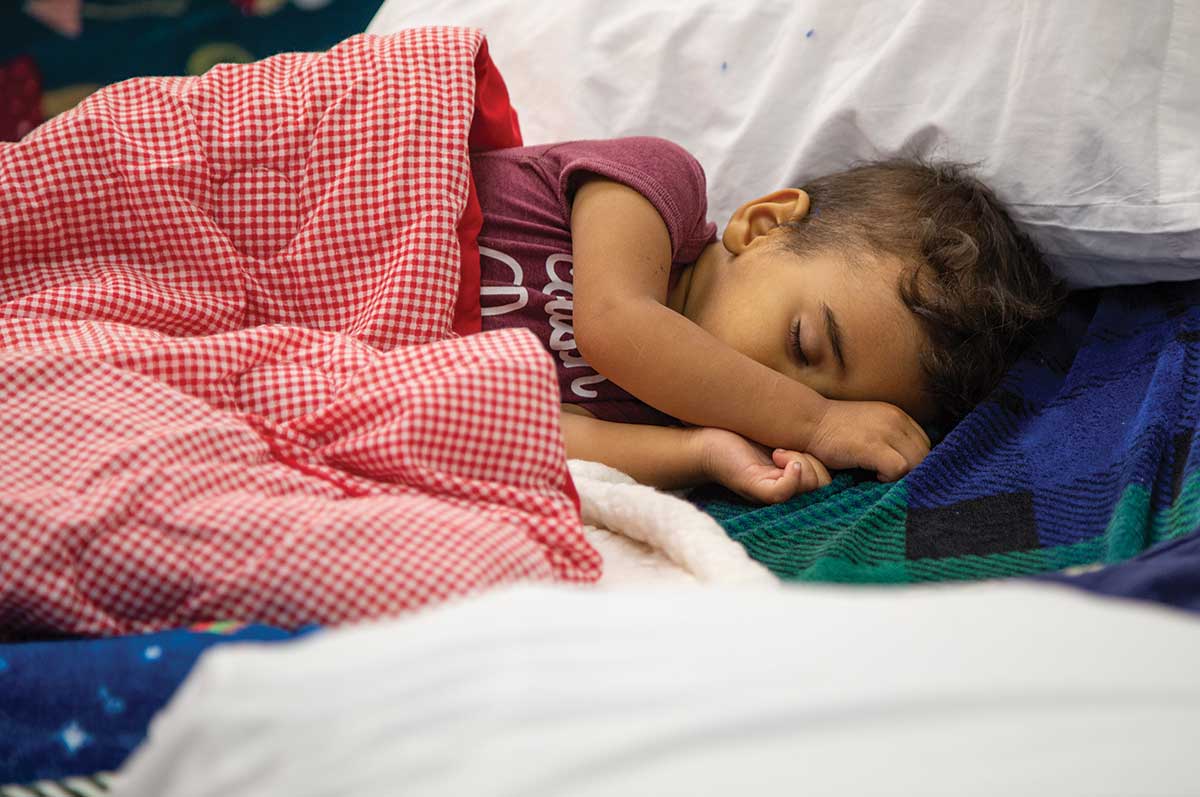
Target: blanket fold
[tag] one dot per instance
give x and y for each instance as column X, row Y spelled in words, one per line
column 233, row 385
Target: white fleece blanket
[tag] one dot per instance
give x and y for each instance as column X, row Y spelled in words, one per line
column 645, row 535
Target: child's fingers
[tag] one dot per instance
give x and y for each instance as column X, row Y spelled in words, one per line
column 782, row 456
column 920, row 440
column 912, row 446
column 779, row 489
column 912, row 451
column 818, row 467
column 892, row 464
column 806, row 471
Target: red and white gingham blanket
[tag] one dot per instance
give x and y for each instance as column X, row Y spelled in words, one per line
column 230, row 381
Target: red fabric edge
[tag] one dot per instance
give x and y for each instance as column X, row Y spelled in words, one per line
column 494, row 125
column 467, row 318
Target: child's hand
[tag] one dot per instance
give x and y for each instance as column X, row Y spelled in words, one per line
column 756, row 472
column 869, row 434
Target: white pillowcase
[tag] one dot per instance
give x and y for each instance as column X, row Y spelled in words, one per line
column 1083, row 116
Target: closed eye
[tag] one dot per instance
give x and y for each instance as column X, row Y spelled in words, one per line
column 794, row 341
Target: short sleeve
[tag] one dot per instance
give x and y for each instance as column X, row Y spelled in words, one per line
column 670, row 178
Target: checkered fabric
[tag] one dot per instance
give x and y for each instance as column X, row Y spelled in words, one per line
column 230, row 382
column 1087, row 454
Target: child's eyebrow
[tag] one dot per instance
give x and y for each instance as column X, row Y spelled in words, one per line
column 835, row 335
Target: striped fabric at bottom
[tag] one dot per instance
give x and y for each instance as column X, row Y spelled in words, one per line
column 79, row 786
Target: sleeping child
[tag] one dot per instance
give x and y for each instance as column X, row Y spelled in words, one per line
column 823, row 329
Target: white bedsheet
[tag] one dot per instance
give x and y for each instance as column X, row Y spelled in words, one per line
column 1002, row 688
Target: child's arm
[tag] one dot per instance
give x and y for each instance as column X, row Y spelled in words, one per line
column 622, row 257
column 672, row 458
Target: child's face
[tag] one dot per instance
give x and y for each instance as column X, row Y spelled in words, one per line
column 754, row 300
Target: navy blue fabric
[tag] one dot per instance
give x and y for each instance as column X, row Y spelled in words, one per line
column 75, row 707
column 1168, row 573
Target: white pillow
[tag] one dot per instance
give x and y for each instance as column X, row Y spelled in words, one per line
column 1083, row 116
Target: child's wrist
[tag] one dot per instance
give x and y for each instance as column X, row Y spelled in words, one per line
column 809, row 417
column 701, row 440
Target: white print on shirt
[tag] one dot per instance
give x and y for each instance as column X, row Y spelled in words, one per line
column 562, row 333
column 560, row 309
column 518, row 289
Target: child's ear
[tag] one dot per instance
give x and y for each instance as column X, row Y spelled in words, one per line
column 760, row 216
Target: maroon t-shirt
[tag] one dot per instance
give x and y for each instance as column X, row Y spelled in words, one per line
column 526, row 276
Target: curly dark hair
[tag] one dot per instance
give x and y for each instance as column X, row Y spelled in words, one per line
column 979, row 286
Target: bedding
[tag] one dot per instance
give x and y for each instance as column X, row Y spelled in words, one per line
column 1083, row 116
column 1087, row 453
column 1167, row 574
column 996, row 688
column 648, row 536
column 74, row 707
column 80, row 706
column 235, row 387
column 96, row 784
